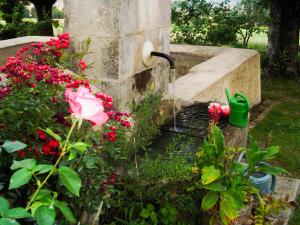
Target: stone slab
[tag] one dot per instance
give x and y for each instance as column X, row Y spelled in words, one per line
column 286, row 186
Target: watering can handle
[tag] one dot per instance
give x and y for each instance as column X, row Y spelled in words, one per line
column 244, row 97
column 228, row 95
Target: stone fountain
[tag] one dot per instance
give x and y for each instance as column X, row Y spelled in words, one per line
column 118, row 30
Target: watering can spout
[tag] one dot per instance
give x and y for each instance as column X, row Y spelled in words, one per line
column 228, row 95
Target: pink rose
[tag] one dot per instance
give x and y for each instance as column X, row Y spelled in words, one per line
column 86, row 106
column 225, row 110
column 214, row 110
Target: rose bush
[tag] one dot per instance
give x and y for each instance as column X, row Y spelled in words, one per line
column 37, row 93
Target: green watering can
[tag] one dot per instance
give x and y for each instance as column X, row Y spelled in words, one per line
column 239, row 109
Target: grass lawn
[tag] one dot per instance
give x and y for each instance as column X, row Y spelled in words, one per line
column 282, row 124
column 281, row 127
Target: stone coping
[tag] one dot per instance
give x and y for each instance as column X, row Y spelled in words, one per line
column 237, row 69
column 23, row 40
column 11, row 46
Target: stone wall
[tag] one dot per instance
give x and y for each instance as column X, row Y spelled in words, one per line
column 11, row 46
column 185, row 61
column 118, row 30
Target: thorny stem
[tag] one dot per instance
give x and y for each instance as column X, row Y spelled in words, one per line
column 52, row 171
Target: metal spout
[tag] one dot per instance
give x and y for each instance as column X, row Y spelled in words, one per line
column 165, row 56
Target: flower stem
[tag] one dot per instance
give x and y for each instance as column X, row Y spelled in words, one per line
column 52, row 171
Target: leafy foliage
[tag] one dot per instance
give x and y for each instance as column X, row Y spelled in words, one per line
column 226, row 180
column 201, row 22
column 9, row 216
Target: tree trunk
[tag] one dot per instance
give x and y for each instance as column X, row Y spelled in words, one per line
column 44, row 13
column 283, row 38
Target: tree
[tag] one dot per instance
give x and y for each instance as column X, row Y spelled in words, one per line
column 57, row 13
column 44, row 14
column 283, row 38
column 251, row 17
column 201, row 22
column 12, row 10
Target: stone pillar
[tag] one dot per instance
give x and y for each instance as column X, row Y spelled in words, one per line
column 118, row 29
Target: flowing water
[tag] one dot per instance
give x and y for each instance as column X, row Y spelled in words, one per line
column 173, row 77
column 192, row 121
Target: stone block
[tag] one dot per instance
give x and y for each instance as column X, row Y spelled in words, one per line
column 103, row 54
column 98, row 18
column 143, row 15
column 130, row 58
column 134, row 88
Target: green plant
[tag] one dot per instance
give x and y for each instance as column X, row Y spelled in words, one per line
column 226, row 181
column 168, row 214
column 255, row 155
column 9, row 215
column 201, row 22
column 222, row 177
column 149, row 215
column 42, row 201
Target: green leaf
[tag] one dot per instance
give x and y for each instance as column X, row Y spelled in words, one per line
column 145, row 213
column 271, row 152
column 236, row 196
column 18, row 213
column 153, row 217
column 209, row 150
column 216, row 186
column 45, row 215
column 26, row 163
column 150, row 207
column 253, row 144
column 13, row 146
column 256, row 158
column 209, row 174
column 52, row 134
column 65, row 210
column 19, row 178
column 238, row 168
column 219, row 141
column 272, row 170
column 91, row 161
column 36, row 205
column 4, row 206
column 55, row 23
column 209, row 200
column 80, row 146
column 72, row 155
column 44, row 194
column 8, row 221
column 70, row 179
column 228, row 206
column 43, row 168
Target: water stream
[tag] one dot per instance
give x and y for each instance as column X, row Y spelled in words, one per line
column 173, row 77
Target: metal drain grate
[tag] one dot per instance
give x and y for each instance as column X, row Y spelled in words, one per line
column 192, row 120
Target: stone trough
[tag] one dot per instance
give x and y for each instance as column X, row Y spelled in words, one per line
column 204, row 72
